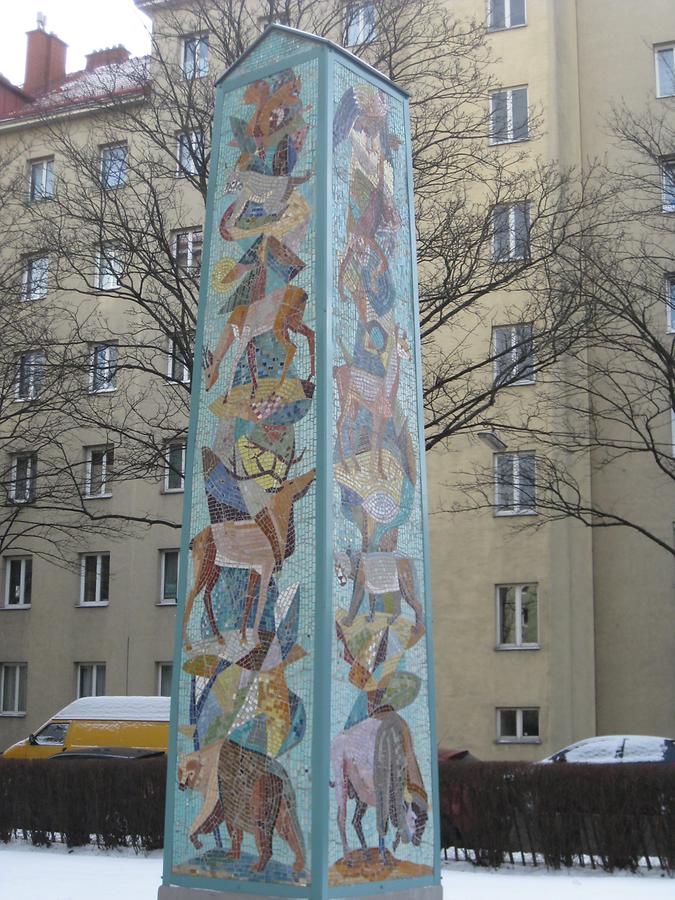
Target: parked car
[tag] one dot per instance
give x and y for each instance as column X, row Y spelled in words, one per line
column 106, row 753
column 140, row 722
column 617, row 748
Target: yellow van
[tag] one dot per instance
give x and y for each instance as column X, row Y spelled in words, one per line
column 141, row 722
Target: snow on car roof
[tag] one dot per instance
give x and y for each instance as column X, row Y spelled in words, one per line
column 147, row 709
column 616, row 748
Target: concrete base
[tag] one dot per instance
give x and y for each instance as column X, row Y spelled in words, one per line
column 171, row 892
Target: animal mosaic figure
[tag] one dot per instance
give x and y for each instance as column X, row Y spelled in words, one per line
column 280, row 312
column 249, row 792
column 358, row 389
column 261, row 545
column 374, row 763
column 377, row 574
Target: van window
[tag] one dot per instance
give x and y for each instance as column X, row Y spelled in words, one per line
column 53, row 733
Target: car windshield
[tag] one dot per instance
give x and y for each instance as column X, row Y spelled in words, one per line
column 53, row 733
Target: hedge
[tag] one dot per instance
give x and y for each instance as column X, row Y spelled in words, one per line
column 613, row 816
column 114, row 803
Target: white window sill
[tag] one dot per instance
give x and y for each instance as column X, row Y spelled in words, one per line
column 167, row 490
column 491, row 29
column 517, row 647
column 166, row 603
column 24, row 399
column 518, row 740
column 507, row 141
column 88, row 605
column 13, row 715
column 14, row 606
column 668, row 210
column 514, row 512
column 97, row 496
column 110, row 390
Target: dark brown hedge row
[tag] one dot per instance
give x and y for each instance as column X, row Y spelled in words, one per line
column 114, row 803
column 559, row 815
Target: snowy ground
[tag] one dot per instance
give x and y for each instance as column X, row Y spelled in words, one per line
column 55, row 873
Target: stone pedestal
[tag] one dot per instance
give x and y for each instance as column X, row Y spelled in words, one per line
column 303, row 748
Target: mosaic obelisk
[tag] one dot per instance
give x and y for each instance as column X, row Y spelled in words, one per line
column 302, row 760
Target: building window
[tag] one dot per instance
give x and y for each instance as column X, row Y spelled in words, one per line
column 29, row 375
column 509, row 115
column 196, row 56
column 102, row 368
column 109, row 267
column 506, row 14
column 13, row 677
column 24, row 473
column 164, row 673
column 168, row 592
column 177, row 369
column 517, row 616
column 174, row 467
column 42, row 179
column 188, row 250
column 98, row 471
column 514, row 484
column 510, row 232
column 668, row 185
column 190, row 153
column 18, row 581
column 513, row 356
column 90, row 679
column 360, row 24
column 670, row 302
column 113, row 166
column 665, row 71
column 94, row 578
column 518, row 726
column 35, row 278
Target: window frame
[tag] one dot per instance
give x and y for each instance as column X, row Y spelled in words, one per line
column 98, row 585
column 174, row 363
column 497, row 378
column 190, row 266
column 510, row 138
column 22, row 669
column 34, row 377
column 158, row 683
column 107, row 461
column 512, row 232
column 354, row 25
column 46, row 165
column 22, row 604
column 519, row 738
column 659, row 48
column 106, row 184
column 507, row 17
column 31, row 456
column 168, row 470
column 95, row 677
column 200, row 65
column 111, row 365
column 668, row 190
column 670, row 303
column 32, row 288
column 516, row 509
column 519, row 644
column 110, row 279
column 163, row 600
column 191, row 140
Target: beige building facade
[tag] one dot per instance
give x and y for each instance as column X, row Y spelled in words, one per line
column 542, row 636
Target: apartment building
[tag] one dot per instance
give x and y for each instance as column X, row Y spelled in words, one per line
column 542, row 635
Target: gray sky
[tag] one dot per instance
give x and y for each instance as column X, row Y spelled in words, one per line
column 84, row 25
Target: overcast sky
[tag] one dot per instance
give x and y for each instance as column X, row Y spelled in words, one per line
column 84, row 25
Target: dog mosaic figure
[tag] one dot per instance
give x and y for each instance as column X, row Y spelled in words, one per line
column 248, row 792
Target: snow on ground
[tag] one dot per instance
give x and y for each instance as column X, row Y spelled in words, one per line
column 85, row 873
